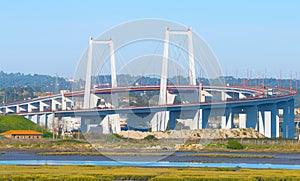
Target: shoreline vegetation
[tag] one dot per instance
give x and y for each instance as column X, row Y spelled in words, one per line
column 91, row 172
column 81, row 147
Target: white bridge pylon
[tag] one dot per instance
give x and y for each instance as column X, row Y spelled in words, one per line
column 87, row 91
column 164, row 72
column 160, row 120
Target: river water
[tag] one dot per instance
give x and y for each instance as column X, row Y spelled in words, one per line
column 178, row 159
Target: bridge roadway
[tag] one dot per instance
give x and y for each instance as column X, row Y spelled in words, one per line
column 179, row 107
column 173, row 88
column 255, row 110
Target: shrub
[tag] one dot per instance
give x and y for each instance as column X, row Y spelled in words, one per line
column 150, row 137
column 235, row 145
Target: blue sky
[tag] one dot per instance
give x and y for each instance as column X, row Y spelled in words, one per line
column 48, row 37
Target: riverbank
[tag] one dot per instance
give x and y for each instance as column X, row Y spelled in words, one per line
column 90, row 172
column 71, row 145
column 81, row 146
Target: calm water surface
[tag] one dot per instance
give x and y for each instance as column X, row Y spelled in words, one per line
column 283, row 161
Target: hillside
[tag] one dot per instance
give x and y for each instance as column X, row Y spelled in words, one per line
column 41, row 83
column 14, row 122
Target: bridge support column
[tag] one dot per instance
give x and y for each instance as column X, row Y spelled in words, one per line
column 205, row 116
column 291, row 123
column 270, row 121
column 114, row 121
column 8, row 110
column 227, row 119
column 38, row 120
column 55, row 105
column 198, row 119
column 261, row 123
column 160, row 121
column 89, row 123
column 274, row 121
column 43, row 120
column 251, row 117
column 83, row 125
column 31, row 107
column 172, row 122
column 268, row 124
column 105, row 125
column 288, row 120
column 34, row 118
column 242, row 120
column 42, row 106
column 49, row 120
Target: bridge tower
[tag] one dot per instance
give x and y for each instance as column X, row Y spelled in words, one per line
column 87, row 91
column 160, row 119
column 164, row 72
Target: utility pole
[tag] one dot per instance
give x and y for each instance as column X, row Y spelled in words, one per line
column 291, row 81
column 56, row 84
column 53, row 125
column 296, row 82
column 280, row 81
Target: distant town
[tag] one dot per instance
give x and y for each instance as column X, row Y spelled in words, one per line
column 19, row 86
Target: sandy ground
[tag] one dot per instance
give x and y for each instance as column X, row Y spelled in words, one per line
column 196, row 134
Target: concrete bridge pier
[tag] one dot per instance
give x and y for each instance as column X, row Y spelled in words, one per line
column 252, row 117
column 200, row 120
column 89, row 124
column 288, row 119
column 197, row 120
column 269, row 115
column 205, row 117
column 34, row 118
column 260, row 127
column 247, row 117
column 45, row 120
column 111, row 123
column 193, row 119
column 172, row 119
column 227, row 119
column 101, row 124
column 242, row 120
column 160, row 120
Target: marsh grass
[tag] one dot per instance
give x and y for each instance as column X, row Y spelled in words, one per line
column 260, row 147
column 90, row 172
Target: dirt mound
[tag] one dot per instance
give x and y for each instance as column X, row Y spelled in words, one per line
column 196, row 134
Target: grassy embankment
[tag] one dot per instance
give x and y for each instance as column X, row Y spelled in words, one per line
column 46, row 145
column 15, row 122
column 259, row 146
column 89, row 172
